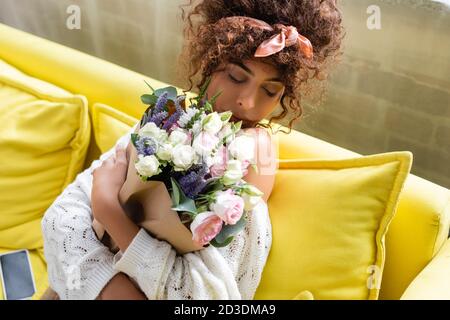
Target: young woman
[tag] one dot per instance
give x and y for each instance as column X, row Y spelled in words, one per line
column 261, row 54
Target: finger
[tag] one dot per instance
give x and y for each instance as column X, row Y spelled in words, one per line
column 109, row 161
column 121, row 156
column 127, row 152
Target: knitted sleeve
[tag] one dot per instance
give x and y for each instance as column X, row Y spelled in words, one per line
column 231, row 272
column 79, row 265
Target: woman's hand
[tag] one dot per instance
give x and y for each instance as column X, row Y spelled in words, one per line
column 108, row 179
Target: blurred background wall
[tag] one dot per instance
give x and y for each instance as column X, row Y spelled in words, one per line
column 390, row 92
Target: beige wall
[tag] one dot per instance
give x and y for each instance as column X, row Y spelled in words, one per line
column 391, row 91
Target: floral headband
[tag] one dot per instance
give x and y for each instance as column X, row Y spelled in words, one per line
column 287, row 37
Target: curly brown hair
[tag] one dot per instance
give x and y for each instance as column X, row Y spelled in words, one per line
column 211, row 41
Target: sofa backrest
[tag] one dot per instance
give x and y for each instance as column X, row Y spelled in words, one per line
column 417, row 232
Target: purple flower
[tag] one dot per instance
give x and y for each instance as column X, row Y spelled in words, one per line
column 157, row 118
column 193, row 182
column 146, row 146
column 161, row 103
column 199, row 186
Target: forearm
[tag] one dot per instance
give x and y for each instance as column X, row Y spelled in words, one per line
column 118, row 225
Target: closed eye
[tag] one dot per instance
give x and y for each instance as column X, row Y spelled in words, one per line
column 234, row 79
column 270, row 94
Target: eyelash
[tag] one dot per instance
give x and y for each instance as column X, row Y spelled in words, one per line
column 270, row 94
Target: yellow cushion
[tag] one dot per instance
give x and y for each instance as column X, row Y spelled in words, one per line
column 329, row 220
column 39, row 269
column 44, row 138
column 109, row 125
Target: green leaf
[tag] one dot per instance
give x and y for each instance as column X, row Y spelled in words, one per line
column 237, row 126
column 134, row 137
column 188, row 206
column 231, row 230
column 213, row 99
column 203, row 89
column 151, row 88
column 208, row 106
column 175, row 192
column 172, row 92
column 180, row 201
column 216, row 244
column 202, row 208
column 145, row 117
column 149, row 99
column 213, row 186
column 225, row 116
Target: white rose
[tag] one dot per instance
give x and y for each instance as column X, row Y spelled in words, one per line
column 204, row 143
column 183, row 156
column 150, row 129
column 165, row 152
column 147, row 165
column 178, row 136
column 242, row 148
column 212, row 123
column 233, row 173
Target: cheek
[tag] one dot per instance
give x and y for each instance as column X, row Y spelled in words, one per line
column 225, row 100
column 264, row 108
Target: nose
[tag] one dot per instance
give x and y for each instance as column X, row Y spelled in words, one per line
column 246, row 100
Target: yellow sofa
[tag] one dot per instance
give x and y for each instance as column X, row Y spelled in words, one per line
column 417, row 245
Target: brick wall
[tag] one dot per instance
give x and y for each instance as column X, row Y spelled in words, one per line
column 391, row 91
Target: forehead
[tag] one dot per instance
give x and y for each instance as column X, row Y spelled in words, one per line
column 262, row 68
column 259, row 69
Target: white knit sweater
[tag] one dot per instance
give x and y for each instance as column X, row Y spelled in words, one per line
column 79, row 265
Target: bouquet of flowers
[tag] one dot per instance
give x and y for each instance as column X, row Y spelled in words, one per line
column 198, row 157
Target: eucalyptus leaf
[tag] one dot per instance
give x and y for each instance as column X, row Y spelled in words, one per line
column 180, row 201
column 188, row 206
column 149, row 99
column 217, row 244
column 175, row 194
column 231, row 230
column 171, row 92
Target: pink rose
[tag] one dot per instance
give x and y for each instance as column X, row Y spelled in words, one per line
column 228, row 206
column 205, row 227
column 220, row 163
